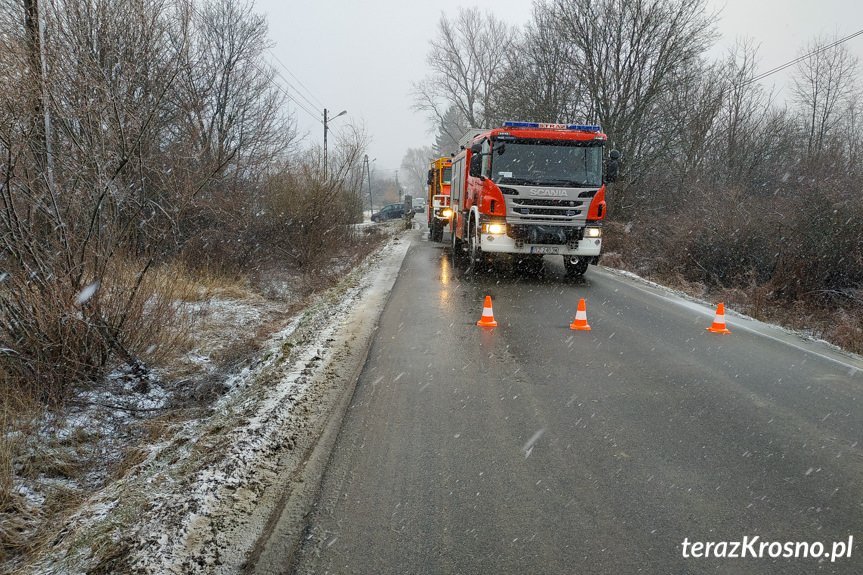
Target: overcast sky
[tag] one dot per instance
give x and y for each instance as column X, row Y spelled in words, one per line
column 363, row 56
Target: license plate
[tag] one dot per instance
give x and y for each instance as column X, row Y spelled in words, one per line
column 544, row 250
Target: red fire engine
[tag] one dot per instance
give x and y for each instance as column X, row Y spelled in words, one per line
column 439, row 212
column 528, row 190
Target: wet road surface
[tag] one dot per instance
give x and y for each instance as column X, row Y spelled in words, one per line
column 534, row 448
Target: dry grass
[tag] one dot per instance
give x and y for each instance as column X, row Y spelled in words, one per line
column 59, row 347
column 25, row 524
column 54, row 338
column 20, row 527
column 845, row 329
column 132, row 457
column 196, row 284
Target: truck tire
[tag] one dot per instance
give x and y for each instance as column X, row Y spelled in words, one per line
column 474, row 251
column 575, row 269
column 458, row 255
column 436, row 233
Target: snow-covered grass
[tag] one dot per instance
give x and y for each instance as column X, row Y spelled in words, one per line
column 149, row 473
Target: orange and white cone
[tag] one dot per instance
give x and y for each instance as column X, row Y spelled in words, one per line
column 719, row 322
column 487, row 319
column 580, row 318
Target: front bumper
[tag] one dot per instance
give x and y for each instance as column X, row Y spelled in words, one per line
column 571, row 241
column 443, row 214
column 501, row 243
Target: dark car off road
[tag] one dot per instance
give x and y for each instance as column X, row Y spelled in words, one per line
column 389, row 212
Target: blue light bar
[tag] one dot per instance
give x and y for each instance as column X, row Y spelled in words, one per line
column 520, row 125
column 543, row 126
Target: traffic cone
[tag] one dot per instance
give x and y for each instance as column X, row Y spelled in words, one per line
column 487, row 319
column 580, row 321
column 719, row 322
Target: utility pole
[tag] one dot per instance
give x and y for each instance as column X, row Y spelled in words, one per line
column 342, row 113
column 369, row 175
column 40, row 119
column 325, row 142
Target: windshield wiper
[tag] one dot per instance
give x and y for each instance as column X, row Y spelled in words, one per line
column 565, row 182
column 518, row 181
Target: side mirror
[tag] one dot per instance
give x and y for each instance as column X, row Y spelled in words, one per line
column 475, row 164
column 430, row 176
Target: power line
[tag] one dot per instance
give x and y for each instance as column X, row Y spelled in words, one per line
column 276, row 58
column 290, row 97
column 297, row 92
column 281, row 88
column 801, row 58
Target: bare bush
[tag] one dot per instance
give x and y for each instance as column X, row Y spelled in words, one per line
column 845, row 325
column 152, row 117
column 308, row 215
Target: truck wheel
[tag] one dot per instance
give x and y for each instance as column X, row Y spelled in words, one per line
column 575, row 268
column 473, row 249
column 458, row 255
column 436, row 231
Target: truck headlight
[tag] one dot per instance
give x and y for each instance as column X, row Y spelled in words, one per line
column 446, row 213
column 593, row 232
column 494, row 228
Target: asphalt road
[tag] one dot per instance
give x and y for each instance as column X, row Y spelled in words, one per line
column 534, row 448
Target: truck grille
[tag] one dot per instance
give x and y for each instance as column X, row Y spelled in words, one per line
column 522, row 208
column 545, row 210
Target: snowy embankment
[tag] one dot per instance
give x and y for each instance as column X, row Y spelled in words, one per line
column 207, row 489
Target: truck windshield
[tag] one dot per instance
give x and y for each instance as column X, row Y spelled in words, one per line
column 446, row 178
column 563, row 164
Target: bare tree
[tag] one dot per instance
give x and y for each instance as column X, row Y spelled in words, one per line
column 741, row 149
column 228, row 122
column 450, row 129
column 744, row 114
column 851, row 137
column 629, row 54
column 227, row 92
column 309, row 214
column 415, row 164
column 822, row 87
column 109, row 65
column 691, row 112
column 540, row 84
column 467, row 59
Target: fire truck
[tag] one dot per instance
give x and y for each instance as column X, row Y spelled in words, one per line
column 439, row 211
column 529, row 190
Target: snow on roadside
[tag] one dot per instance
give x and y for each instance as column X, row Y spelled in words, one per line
column 204, row 490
